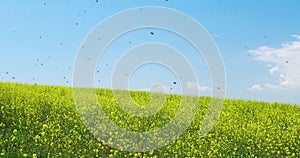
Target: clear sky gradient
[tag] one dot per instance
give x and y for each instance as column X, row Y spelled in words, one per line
column 258, row 40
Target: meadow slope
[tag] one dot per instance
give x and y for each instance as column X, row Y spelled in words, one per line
column 42, row 121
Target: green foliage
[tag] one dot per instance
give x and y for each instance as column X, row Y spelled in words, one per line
column 42, row 121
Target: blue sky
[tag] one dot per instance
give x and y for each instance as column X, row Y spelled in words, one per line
column 258, row 41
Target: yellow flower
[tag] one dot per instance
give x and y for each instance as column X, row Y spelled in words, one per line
column 36, row 137
column 15, row 131
column 43, row 133
column 13, row 138
column 25, row 155
column 45, row 126
column 34, row 156
column 96, row 150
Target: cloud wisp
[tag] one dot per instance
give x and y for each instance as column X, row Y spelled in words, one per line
column 255, row 87
column 284, row 64
column 196, row 86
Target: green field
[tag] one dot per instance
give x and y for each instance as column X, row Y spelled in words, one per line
column 42, row 121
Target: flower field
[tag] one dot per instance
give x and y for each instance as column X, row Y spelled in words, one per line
column 43, row 121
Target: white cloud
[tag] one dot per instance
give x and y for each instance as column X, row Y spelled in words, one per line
column 255, row 87
column 274, row 69
column 196, row 86
column 143, row 89
column 158, row 88
column 296, row 36
column 272, row 86
column 286, row 60
column 216, row 35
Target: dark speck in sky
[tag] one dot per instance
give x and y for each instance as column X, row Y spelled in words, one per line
column 174, row 82
column 76, row 23
column 286, row 61
column 151, row 33
column 44, row 3
column 13, row 78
